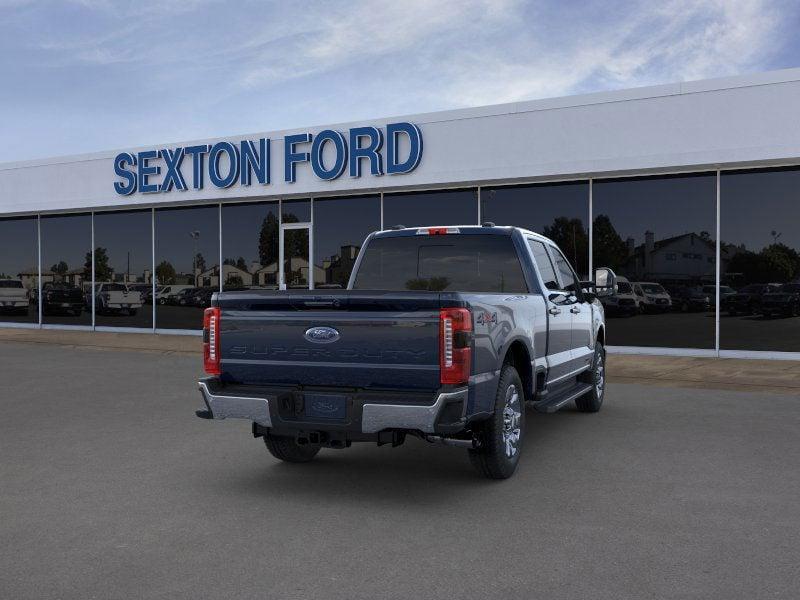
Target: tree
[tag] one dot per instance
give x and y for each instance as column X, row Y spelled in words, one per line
column 102, row 270
column 234, row 282
column 609, row 248
column 268, row 241
column 165, row 273
column 241, row 263
column 59, row 268
column 571, row 236
column 199, row 262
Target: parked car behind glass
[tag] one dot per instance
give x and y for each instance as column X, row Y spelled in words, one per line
column 784, row 301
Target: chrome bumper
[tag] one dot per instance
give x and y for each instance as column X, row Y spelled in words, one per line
column 236, row 407
column 375, row 416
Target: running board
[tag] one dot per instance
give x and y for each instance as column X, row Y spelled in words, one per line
column 551, row 405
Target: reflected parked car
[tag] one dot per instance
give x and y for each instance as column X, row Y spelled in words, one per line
column 14, row 298
column 623, row 302
column 783, row 302
column 725, row 292
column 62, row 298
column 114, row 298
column 201, row 297
column 748, row 299
column 652, row 297
column 145, row 289
column 166, row 295
column 690, row 299
column 182, row 297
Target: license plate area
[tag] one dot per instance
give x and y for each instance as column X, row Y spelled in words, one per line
column 322, row 406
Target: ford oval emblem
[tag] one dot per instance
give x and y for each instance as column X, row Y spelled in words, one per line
column 321, row 335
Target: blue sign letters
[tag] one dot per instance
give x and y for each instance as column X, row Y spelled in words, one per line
column 328, row 152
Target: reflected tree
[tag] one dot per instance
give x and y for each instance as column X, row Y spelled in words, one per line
column 165, row 273
column 102, row 270
column 609, row 248
column 60, row 268
column 571, row 236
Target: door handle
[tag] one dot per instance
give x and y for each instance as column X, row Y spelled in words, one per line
column 554, row 311
column 575, row 310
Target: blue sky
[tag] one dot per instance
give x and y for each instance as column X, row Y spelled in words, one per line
column 88, row 75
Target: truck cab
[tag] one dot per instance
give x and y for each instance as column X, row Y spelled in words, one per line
column 444, row 333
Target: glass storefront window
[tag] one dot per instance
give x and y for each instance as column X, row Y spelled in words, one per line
column 559, row 211
column 67, row 269
column 296, row 211
column 419, row 209
column 657, row 234
column 340, row 227
column 760, row 260
column 19, row 270
column 250, row 246
column 123, row 267
column 187, row 264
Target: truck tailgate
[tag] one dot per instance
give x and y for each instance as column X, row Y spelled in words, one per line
column 367, row 339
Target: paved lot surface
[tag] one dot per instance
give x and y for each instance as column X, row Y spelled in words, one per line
column 110, row 488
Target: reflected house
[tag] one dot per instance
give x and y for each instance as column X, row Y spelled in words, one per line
column 266, row 276
column 687, row 258
column 28, row 277
column 231, row 274
column 338, row 267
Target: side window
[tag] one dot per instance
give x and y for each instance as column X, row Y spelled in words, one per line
column 544, row 265
column 566, row 273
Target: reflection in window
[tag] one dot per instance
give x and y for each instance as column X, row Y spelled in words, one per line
column 760, row 260
column 187, row 264
column 466, row 263
column 658, row 230
column 340, row 227
column 296, row 211
column 449, row 207
column 544, row 264
column 66, row 269
column 19, row 270
column 123, row 267
column 250, row 245
column 559, row 211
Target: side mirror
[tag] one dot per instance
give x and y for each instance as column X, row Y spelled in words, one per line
column 605, row 281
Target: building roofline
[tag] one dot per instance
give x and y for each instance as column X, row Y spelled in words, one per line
column 545, row 104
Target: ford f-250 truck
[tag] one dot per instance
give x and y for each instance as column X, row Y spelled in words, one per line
column 442, row 333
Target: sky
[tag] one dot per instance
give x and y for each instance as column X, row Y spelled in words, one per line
column 89, row 75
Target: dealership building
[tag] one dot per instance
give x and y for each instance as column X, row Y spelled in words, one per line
column 689, row 191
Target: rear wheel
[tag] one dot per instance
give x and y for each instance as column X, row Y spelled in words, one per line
column 593, row 400
column 502, row 435
column 288, row 450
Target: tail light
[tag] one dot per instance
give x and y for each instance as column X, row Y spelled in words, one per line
column 211, row 359
column 437, row 230
column 455, row 341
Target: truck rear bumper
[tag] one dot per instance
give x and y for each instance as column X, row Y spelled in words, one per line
column 367, row 413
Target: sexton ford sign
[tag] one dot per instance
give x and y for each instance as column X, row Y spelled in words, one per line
column 225, row 164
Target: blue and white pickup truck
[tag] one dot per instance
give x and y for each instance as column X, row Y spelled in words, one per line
column 443, row 333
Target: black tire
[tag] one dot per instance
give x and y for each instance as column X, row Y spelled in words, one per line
column 593, row 401
column 288, row 450
column 504, row 432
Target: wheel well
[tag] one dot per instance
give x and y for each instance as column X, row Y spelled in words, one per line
column 601, row 335
column 517, row 355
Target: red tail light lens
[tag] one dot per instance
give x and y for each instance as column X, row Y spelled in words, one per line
column 211, row 358
column 455, row 342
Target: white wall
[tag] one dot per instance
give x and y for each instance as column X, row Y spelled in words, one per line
column 742, row 120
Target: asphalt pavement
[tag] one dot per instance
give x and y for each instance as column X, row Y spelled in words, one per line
column 111, row 488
